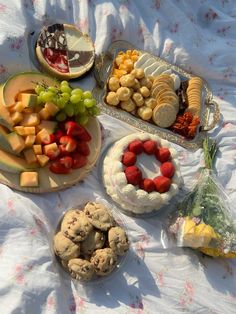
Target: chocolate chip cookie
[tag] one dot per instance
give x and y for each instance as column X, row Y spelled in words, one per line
column 81, row 269
column 76, row 225
column 99, row 216
column 95, row 240
column 104, row 261
column 64, row 247
column 118, row 240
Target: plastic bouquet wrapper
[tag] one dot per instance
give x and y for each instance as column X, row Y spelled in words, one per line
column 203, row 220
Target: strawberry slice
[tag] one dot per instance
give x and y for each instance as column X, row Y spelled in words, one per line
column 74, row 129
column 83, row 148
column 58, row 135
column 68, row 142
column 67, row 161
column 79, row 161
column 58, row 168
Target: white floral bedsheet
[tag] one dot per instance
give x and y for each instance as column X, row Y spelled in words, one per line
column 197, row 35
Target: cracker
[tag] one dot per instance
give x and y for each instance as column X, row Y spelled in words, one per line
column 164, row 115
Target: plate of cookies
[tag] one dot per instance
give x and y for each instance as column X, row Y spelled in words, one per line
column 90, row 242
column 153, row 95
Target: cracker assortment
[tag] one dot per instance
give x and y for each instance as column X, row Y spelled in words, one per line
column 89, row 242
column 159, row 98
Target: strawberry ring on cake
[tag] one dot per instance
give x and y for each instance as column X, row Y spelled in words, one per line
column 141, row 173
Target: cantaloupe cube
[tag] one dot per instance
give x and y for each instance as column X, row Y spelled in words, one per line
column 29, row 100
column 17, row 117
column 50, row 126
column 30, row 155
column 38, row 108
column 19, row 129
column 29, row 179
column 29, row 140
column 16, row 141
column 51, row 108
column 28, row 110
column 51, row 150
column 30, row 119
column 44, row 114
column 18, row 107
column 38, row 149
column 42, row 159
column 29, row 130
column 42, row 136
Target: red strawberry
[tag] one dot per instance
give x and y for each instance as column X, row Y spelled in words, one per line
column 162, row 154
column 67, row 161
column 147, row 185
column 162, row 184
column 136, row 147
column 68, row 142
column 167, row 169
column 50, row 140
column 129, row 159
column 63, row 151
column 79, row 161
column 57, row 167
column 73, row 129
column 58, row 135
column 83, row 148
column 84, row 135
column 149, row 147
column 133, row 175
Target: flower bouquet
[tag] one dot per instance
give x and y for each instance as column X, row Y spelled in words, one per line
column 203, row 219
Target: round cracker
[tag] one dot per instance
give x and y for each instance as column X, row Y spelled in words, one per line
column 164, row 115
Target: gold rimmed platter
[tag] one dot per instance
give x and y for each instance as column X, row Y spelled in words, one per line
column 209, row 114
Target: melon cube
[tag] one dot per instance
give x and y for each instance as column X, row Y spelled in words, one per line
column 38, row 149
column 38, row 108
column 51, row 108
column 29, row 179
column 42, row 159
column 29, row 140
column 30, row 119
column 19, row 129
column 44, row 114
column 51, row 150
column 29, row 130
column 29, row 100
column 17, row 117
column 28, row 110
column 50, row 126
column 18, row 107
column 30, row 156
column 16, row 141
column 42, row 136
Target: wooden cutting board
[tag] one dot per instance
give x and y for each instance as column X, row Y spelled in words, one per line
column 51, row 182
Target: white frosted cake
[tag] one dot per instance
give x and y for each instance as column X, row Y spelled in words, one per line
column 141, row 173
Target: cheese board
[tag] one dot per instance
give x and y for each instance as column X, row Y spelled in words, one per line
column 109, row 67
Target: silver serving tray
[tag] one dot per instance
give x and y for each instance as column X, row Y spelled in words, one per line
column 209, row 116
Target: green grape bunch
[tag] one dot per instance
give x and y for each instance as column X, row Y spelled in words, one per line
column 74, row 103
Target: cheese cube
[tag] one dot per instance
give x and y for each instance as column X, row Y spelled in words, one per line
column 30, row 156
column 44, row 114
column 42, row 159
column 30, row 119
column 29, row 179
column 38, row 149
column 29, row 140
column 29, row 130
column 19, row 130
column 51, row 108
column 16, row 117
